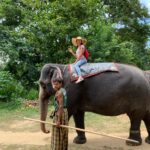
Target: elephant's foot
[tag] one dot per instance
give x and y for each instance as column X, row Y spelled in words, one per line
column 147, row 140
column 79, row 140
column 134, row 135
column 130, row 143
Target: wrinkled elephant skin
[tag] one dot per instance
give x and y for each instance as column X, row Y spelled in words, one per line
column 108, row 93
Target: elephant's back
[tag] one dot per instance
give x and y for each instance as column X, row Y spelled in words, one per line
column 119, row 91
column 134, row 77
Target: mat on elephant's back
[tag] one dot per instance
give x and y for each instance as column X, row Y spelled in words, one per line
column 91, row 69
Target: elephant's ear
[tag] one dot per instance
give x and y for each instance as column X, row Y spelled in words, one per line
column 51, row 72
column 48, row 73
column 56, row 73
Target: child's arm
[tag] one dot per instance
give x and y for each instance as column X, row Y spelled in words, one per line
column 72, row 52
column 60, row 108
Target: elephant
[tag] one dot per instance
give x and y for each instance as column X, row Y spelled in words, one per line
column 109, row 93
column 147, row 75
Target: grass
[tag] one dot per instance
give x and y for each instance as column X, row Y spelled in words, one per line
column 11, row 113
column 99, row 122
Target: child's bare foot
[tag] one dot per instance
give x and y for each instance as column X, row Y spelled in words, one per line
column 79, row 80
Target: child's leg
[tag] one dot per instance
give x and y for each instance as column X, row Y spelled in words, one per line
column 78, row 64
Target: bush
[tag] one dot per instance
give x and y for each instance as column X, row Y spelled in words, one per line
column 9, row 87
column 32, row 95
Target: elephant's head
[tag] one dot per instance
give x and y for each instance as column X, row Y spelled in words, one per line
column 48, row 72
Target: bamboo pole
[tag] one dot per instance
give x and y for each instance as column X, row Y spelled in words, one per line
column 83, row 130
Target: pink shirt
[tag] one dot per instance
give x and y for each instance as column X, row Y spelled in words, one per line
column 79, row 49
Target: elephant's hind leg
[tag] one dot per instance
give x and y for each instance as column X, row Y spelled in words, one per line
column 147, row 124
column 134, row 131
column 79, row 123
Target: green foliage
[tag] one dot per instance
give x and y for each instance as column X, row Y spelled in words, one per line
column 147, row 58
column 124, row 53
column 10, row 89
column 104, row 46
column 130, row 17
column 12, row 15
column 36, row 32
column 32, row 94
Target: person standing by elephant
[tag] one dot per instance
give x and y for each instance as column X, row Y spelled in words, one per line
column 79, row 42
column 59, row 137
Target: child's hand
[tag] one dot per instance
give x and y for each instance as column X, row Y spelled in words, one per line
column 70, row 50
column 58, row 124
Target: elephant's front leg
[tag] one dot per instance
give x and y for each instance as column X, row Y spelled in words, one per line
column 79, row 123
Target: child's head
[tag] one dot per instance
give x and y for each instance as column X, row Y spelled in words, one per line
column 57, row 83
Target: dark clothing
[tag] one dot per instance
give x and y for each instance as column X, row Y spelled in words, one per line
column 59, row 136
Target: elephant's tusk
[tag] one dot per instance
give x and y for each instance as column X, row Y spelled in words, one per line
column 79, row 129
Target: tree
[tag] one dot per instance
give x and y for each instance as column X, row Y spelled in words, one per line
column 130, row 18
column 38, row 32
column 42, row 33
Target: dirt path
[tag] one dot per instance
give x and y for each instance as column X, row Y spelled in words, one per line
column 24, row 135
column 94, row 142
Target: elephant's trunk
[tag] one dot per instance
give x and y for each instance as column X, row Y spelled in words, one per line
column 43, row 114
column 43, row 110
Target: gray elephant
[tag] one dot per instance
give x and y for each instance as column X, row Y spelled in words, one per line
column 147, row 75
column 109, row 93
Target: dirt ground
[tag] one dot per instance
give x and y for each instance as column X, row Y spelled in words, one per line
column 24, row 140
column 94, row 142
